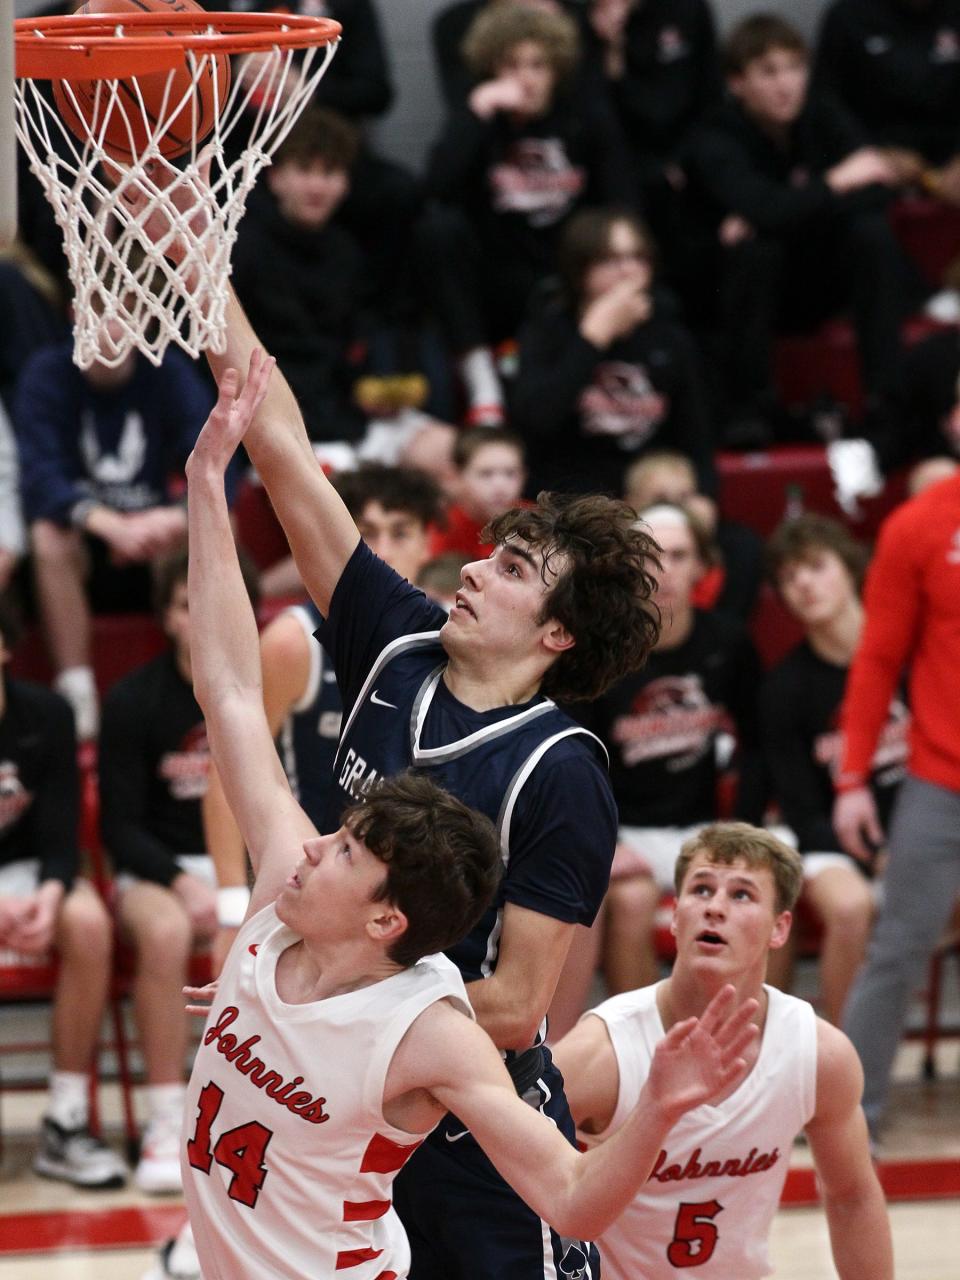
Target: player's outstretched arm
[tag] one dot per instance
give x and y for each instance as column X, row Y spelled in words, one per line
column 581, row 1194
column 852, row 1196
column 225, row 648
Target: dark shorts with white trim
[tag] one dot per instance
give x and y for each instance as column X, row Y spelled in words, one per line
column 465, row 1223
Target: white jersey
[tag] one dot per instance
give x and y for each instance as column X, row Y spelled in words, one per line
column 706, row 1209
column 287, row 1159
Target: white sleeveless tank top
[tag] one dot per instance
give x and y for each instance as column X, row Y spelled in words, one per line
column 706, row 1209
column 287, row 1159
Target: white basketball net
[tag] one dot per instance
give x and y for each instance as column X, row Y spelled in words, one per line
column 117, row 272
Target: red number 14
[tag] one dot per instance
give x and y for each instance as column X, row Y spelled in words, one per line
column 241, row 1150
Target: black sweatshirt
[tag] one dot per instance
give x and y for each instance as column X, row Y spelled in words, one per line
column 660, row 726
column 39, row 790
column 737, row 168
column 896, row 68
column 800, row 717
column 305, row 292
column 671, row 75
column 586, row 414
column 518, row 183
column 154, row 763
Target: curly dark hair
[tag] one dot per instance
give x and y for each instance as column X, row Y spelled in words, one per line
column 602, row 593
column 442, row 859
column 324, row 135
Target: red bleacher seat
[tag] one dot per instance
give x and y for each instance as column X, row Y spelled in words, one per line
column 258, row 529
column 929, row 232
column 755, row 488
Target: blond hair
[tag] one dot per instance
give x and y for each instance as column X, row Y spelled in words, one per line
column 726, row 842
column 500, row 28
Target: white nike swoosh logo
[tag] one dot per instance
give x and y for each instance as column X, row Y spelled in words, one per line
column 455, row 1137
column 379, row 702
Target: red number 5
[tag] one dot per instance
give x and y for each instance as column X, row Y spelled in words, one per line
column 241, row 1150
column 694, row 1235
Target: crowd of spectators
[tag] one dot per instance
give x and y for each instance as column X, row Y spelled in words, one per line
column 583, row 291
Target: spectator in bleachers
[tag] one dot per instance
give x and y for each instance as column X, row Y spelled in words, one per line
column 303, row 279
column 510, row 167
column 491, row 473
column 449, row 31
column 659, row 63
column 733, row 577
column 895, row 66
column 99, row 450
column 798, row 200
column 603, row 376
column 153, row 765
column 816, row 566
column 359, row 86
column 663, row 728
column 912, row 606
column 46, row 906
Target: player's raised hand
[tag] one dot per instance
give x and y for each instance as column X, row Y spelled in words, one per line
column 232, row 414
column 700, row 1058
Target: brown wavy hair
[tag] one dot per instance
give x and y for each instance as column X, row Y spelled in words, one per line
column 603, row 592
column 499, row 28
column 442, row 860
column 803, row 536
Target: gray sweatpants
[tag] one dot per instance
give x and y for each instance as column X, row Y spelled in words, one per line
column 920, row 888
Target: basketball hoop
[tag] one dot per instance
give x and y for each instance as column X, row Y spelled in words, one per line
column 112, row 167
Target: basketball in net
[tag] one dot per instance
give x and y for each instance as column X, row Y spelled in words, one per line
column 147, row 122
column 186, row 104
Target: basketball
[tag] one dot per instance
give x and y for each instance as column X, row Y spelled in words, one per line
column 129, row 124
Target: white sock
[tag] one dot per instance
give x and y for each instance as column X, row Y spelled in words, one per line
column 68, row 1100
column 79, row 687
column 480, row 380
column 166, row 1101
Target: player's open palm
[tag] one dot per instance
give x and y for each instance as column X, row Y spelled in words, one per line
column 232, row 414
column 701, row 1058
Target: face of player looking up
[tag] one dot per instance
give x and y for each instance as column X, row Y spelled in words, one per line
column 495, row 617
column 726, row 919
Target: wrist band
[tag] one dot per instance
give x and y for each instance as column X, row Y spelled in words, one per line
column 232, row 904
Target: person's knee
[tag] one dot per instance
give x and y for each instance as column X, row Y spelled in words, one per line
column 85, row 931
column 849, row 912
column 633, row 899
column 163, row 938
column 54, row 545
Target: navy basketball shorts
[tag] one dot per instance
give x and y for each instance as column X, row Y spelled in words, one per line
column 465, row 1223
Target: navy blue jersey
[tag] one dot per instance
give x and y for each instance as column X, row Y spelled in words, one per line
column 307, row 741
column 537, row 774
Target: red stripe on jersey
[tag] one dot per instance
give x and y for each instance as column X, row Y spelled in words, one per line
column 353, row 1257
column 364, row 1210
column 384, row 1156
column 387, row 1275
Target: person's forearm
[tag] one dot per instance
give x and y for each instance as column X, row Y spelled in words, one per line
column 225, row 650
column 860, row 1236
column 278, row 426
column 504, row 1017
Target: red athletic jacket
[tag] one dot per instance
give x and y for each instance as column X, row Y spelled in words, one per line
column 912, row 601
